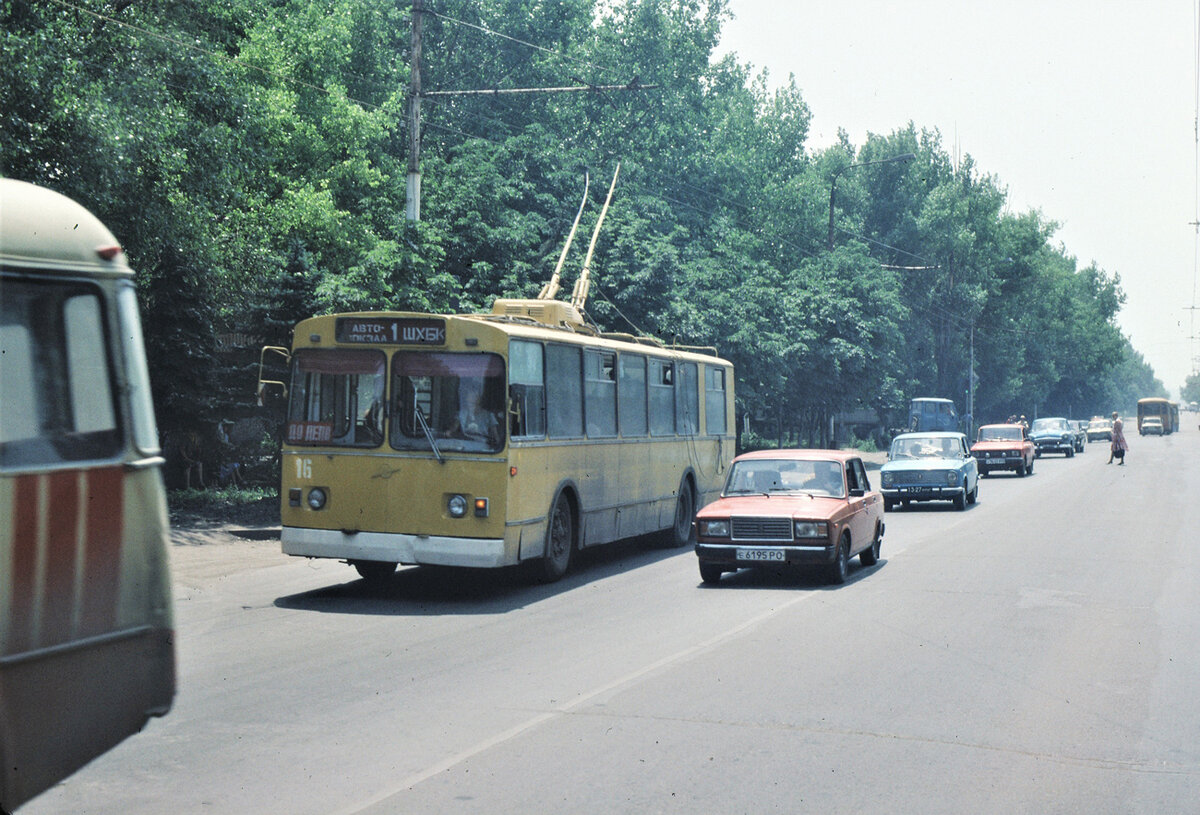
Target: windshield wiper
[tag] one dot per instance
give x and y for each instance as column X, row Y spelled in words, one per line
column 429, row 435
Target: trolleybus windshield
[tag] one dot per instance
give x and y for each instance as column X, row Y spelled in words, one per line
column 455, row 399
column 336, row 398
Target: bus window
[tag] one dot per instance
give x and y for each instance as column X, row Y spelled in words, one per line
column 662, row 397
column 56, row 363
column 526, row 390
column 632, row 395
column 564, row 399
column 455, row 399
column 145, row 429
column 687, row 400
column 336, row 398
column 600, row 392
column 714, row 400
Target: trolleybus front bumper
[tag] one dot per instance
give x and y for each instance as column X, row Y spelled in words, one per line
column 391, row 547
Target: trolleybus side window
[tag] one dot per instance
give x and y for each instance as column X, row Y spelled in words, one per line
column 687, row 400
column 662, row 397
column 336, row 398
column 632, row 395
column 527, row 389
column 455, row 399
column 714, row 400
column 564, row 392
column 600, row 392
column 55, row 364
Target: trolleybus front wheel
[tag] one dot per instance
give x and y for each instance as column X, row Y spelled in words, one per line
column 374, row 571
column 560, row 542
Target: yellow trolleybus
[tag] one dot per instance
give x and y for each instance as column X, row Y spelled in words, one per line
column 1165, row 409
column 493, row 440
column 86, row 650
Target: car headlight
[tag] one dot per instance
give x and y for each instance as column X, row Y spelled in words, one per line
column 812, row 529
column 317, row 498
column 1066, row 437
column 457, row 506
column 952, row 478
column 714, row 529
column 886, row 479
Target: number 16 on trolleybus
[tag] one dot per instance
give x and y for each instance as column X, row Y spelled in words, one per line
column 494, row 440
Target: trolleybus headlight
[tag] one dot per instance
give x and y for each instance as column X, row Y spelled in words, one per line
column 812, row 529
column 457, row 506
column 714, row 529
column 316, row 498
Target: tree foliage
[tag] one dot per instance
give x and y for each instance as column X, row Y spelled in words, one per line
column 252, row 156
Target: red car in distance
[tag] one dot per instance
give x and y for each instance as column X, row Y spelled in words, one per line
column 791, row 507
column 1004, row 447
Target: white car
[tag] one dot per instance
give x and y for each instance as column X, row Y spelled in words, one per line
column 1151, row 426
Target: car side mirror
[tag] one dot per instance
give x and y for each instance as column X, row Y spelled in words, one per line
column 857, row 493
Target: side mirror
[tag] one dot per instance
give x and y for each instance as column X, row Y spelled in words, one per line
column 857, row 493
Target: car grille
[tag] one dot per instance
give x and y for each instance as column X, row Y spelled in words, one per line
column 776, row 529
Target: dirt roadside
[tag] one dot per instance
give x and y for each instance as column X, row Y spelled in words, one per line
column 194, row 524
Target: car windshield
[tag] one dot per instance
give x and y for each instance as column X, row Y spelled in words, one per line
column 1049, row 424
column 1007, row 433
column 911, row 447
column 763, row 476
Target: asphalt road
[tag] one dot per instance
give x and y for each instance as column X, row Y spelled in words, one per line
column 1036, row 653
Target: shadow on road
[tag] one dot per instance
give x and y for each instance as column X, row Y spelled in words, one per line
column 441, row 590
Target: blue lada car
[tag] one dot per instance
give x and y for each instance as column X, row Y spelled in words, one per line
column 929, row 467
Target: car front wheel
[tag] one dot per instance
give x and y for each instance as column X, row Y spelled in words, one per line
column 710, row 573
column 839, row 570
column 870, row 555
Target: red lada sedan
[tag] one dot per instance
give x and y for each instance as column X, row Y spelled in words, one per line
column 1004, row 447
column 791, row 507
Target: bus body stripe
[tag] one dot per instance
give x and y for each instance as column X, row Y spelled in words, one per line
column 102, row 564
column 25, row 512
column 61, row 548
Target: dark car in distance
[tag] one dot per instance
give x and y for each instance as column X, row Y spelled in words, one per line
column 1053, row 435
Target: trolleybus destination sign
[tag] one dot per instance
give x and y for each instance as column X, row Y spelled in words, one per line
column 392, row 330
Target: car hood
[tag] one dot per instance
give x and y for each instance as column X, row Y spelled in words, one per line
column 776, row 505
column 922, row 464
column 997, row 444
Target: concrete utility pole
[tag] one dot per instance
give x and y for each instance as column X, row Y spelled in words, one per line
column 412, row 203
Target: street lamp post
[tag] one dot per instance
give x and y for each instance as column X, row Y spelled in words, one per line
column 833, row 184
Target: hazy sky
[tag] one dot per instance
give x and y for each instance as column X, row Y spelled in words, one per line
column 1083, row 109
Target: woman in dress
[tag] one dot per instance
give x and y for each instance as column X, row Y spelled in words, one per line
column 1119, row 445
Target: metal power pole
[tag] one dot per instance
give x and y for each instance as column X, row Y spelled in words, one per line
column 412, row 204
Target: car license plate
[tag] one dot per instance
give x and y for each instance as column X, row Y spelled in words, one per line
column 760, row 554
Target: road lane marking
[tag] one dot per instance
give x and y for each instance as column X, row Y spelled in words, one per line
column 623, row 682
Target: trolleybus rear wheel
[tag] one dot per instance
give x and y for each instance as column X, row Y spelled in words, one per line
column 685, row 512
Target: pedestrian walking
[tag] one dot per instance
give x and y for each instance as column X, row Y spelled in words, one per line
column 1119, row 445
